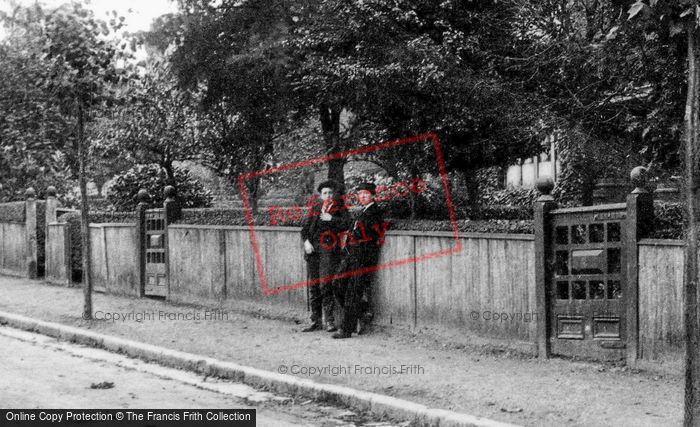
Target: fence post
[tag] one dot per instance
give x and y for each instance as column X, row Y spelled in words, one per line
column 543, row 248
column 30, row 233
column 171, row 208
column 50, row 216
column 142, row 197
column 640, row 216
column 171, row 205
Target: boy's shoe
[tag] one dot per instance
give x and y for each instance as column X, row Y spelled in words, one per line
column 312, row 327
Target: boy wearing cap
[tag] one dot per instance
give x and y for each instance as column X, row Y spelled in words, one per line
column 365, row 242
column 322, row 258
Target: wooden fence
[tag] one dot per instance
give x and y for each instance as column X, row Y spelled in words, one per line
column 13, row 249
column 58, row 253
column 472, row 290
column 114, row 258
column 493, row 274
column 661, row 332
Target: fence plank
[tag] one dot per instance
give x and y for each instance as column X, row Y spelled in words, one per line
column 14, row 249
column 58, row 263
column 394, row 290
column 661, row 331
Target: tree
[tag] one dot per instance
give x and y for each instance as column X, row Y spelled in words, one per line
column 669, row 18
column 410, row 67
column 80, row 76
column 33, row 133
column 232, row 53
column 617, row 81
column 157, row 121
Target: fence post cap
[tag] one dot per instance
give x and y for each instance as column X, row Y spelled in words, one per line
column 170, row 192
column 639, row 177
column 544, row 185
column 142, row 196
column 51, row 191
column 30, row 193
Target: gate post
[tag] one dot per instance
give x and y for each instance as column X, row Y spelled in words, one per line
column 50, row 216
column 171, row 212
column 640, row 216
column 171, row 205
column 51, row 204
column 30, row 233
column 142, row 197
column 543, row 248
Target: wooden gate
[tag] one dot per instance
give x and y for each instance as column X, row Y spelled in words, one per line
column 587, row 287
column 156, row 266
column 586, row 273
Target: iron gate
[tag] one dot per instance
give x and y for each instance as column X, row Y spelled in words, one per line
column 587, row 285
column 156, row 267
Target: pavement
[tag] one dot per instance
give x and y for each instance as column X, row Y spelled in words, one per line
column 46, row 373
column 415, row 366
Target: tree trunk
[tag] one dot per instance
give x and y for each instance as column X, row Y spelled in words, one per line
column 692, row 136
column 169, row 173
column 253, row 193
column 335, row 170
column 472, row 187
column 330, row 127
column 84, row 215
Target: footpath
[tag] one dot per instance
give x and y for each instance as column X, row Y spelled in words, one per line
column 501, row 386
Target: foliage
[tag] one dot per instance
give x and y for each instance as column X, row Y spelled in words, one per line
column 617, row 82
column 12, row 212
column 153, row 179
column 517, row 197
column 670, row 221
column 237, row 217
column 81, row 73
column 156, row 122
column 410, row 67
column 232, row 54
column 32, row 131
column 392, row 68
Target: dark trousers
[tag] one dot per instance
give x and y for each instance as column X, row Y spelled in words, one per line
column 351, row 292
column 321, row 297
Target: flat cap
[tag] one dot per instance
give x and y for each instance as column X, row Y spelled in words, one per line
column 366, row 186
column 329, row 183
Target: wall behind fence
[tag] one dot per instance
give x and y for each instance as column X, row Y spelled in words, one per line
column 113, row 251
column 492, row 274
column 661, row 332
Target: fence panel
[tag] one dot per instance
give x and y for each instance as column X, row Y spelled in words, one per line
column 13, row 249
column 58, row 261
column 197, row 262
column 114, row 261
column 661, row 332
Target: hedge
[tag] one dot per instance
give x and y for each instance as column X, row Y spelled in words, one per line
column 237, row 217
column 12, row 212
column 495, row 212
column 213, row 216
column 670, row 221
column 466, row 226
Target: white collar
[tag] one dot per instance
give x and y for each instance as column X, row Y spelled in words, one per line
column 370, row 204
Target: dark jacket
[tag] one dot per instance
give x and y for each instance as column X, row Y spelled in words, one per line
column 314, row 228
column 367, row 235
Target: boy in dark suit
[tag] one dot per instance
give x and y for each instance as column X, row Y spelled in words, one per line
column 323, row 258
column 363, row 245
